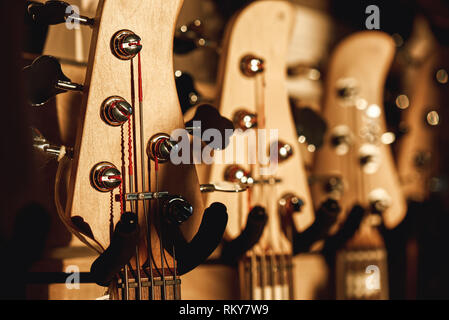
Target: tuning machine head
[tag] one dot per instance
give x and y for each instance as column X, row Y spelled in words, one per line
column 176, row 209
column 41, row 144
column 55, row 12
column 160, row 146
column 237, row 174
column 44, row 79
column 284, row 150
column 105, row 177
column 291, row 203
column 115, row 111
column 125, row 44
column 251, row 65
column 244, row 120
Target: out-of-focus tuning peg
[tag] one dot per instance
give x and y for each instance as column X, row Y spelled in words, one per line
column 55, row 12
column 208, row 117
column 190, row 37
column 44, row 79
column 187, row 93
column 41, row 144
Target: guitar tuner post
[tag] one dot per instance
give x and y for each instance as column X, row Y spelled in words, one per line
column 125, row 44
column 116, row 111
column 244, row 120
column 160, row 146
column 105, row 177
column 251, row 65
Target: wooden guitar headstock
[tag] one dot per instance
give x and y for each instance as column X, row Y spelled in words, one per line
column 252, row 93
column 128, row 103
column 354, row 164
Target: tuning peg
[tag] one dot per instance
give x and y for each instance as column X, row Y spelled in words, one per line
column 176, row 210
column 41, row 144
column 55, row 12
column 190, row 37
column 44, row 79
column 187, row 93
column 209, row 118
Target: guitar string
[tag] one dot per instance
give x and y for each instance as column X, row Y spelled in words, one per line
column 133, row 179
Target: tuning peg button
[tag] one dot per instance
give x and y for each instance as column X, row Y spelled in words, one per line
column 115, row 111
column 251, row 65
column 125, row 44
column 105, row 177
column 244, row 120
column 177, row 210
column 44, row 79
column 291, row 203
column 55, row 12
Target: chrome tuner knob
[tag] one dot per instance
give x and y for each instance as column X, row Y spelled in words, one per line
column 284, row 151
column 56, row 12
column 291, row 203
column 237, row 174
column 44, row 79
column 176, row 210
column 125, row 44
column 160, row 146
column 251, row 65
column 115, row 111
column 41, row 144
column 105, row 177
column 244, row 120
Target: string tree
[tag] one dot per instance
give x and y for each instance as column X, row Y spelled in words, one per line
column 44, row 80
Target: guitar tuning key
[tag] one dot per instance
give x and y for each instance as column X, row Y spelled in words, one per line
column 116, row 111
column 56, row 12
column 105, row 177
column 244, row 120
column 44, row 79
column 41, row 144
column 160, row 146
column 177, row 210
column 125, row 44
column 251, row 65
column 291, row 203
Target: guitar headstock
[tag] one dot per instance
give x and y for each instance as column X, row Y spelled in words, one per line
column 120, row 160
column 252, row 93
column 355, row 164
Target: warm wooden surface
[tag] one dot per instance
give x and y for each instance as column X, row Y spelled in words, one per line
column 154, row 22
column 365, row 57
column 268, row 39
